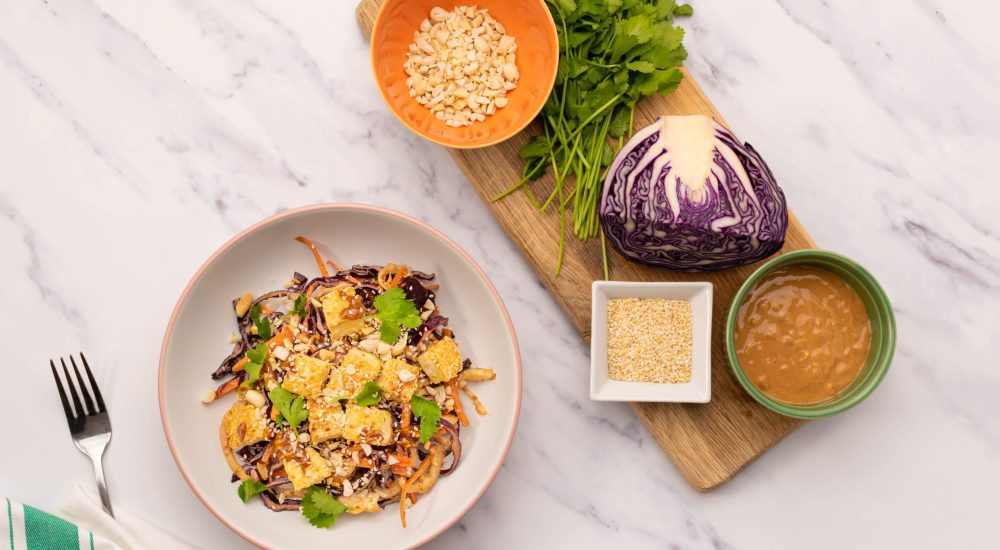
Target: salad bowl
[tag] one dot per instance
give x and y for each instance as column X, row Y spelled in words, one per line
column 261, row 258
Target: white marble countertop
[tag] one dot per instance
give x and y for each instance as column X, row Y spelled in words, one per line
column 136, row 137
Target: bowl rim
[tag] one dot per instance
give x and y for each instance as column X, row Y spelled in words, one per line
column 883, row 359
column 513, row 131
column 648, row 392
column 336, row 207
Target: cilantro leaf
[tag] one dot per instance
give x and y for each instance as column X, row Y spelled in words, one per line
column 249, row 488
column 299, row 308
column 640, row 66
column 371, row 394
column 683, row 10
column 429, row 413
column 320, row 508
column 255, row 361
column 389, row 332
column 393, row 308
column 262, row 323
column 537, row 147
column 292, row 407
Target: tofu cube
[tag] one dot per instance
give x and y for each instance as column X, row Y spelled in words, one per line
column 356, row 369
column 396, row 387
column 309, row 472
column 368, row 425
column 361, row 501
column 306, row 376
column 441, row 362
column 326, row 420
column 242, row 426
column 335, row 304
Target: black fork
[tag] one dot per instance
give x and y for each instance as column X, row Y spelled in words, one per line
column 89, row 423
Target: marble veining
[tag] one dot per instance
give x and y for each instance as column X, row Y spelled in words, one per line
column 136, row 137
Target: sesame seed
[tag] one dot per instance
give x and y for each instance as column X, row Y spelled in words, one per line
column 649, row 340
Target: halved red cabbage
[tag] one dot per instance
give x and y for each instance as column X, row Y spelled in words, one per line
column 684, row 194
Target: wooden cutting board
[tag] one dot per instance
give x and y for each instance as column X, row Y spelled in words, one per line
column 708, row 443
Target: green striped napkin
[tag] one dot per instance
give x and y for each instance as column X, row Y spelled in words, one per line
column 26, row 528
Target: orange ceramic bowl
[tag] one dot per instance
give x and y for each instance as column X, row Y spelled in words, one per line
column 528, row 21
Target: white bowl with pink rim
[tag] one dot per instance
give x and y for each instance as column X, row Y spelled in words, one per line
column 262, row 258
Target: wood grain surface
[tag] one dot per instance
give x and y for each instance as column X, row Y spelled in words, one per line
column 709, row 443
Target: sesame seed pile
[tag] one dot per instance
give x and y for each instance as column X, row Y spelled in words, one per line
column 649, row 340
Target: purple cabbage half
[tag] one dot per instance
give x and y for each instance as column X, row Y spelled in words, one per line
column 684, row 194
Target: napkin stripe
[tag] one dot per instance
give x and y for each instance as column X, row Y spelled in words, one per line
column 15, row 529
column 10, row 525
column 29, row 528
column 47, row 532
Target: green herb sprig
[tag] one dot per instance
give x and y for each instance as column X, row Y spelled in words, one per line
column 429, row 413
column 292, row 407
column 371, row 394
column 394, row 309
column 320, row 508
column 249, row 488
column 255, row 361
column 262, row 323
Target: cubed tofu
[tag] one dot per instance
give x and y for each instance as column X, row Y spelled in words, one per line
column 441, row 362
column 242, row 425
column 360, row 502
column 335, row 303
column 356, row 369
column 306, row 376
column 309, row 472
column 368, row 425
column 326, row 420
column 396, row 387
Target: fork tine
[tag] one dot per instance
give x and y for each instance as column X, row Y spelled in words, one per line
column 72, row 391
column 62, row 393
column 83, row 389
column 93, row 384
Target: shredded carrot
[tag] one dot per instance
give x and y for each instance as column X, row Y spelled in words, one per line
column 227, row 387
column 404, row 420
column 406, row 487
column 277, row 339
column 402, row 467
column 333, row 266
column 432, row 286
column 413, row 497
column 453, row 392
column 319, row 259
column 398, row 278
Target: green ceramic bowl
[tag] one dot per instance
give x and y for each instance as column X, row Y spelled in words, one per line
column 883, row 324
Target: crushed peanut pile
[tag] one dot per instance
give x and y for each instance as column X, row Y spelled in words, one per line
column 649, row 340
column 461, row 65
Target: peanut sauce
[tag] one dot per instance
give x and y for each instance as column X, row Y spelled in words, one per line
column 356, row 309
column 802, row 335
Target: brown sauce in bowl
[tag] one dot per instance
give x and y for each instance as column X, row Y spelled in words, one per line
column 802, row 334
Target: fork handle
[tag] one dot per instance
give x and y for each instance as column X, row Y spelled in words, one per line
column 102, row 485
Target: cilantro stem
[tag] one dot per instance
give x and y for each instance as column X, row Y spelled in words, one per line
column 604, row 257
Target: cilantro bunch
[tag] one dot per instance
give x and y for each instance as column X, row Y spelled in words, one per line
column 612, row 53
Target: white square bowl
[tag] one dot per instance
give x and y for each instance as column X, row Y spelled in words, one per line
column 698, row 390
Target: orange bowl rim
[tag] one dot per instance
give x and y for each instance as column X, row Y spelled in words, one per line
column 475, row 144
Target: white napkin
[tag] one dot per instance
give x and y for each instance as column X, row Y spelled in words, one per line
column 125, row 531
